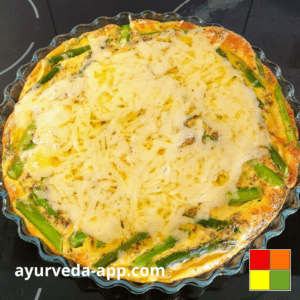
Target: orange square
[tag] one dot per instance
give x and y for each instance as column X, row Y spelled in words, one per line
column 280, row 259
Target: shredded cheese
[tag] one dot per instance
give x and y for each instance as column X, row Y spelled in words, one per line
column 113, row 144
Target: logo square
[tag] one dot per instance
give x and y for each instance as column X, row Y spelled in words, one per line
column 259, row 259
column 259, row 280
column 280, row 259
column 280, row 280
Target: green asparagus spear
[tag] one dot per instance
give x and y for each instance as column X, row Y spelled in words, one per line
column 41, row 223
column 68, row 54
column 289, row 129
column 260, row 67
column 183, row 256
column 26, row 137
column 44, row 203
column 49, row 75
column 99, row 244
column 147, row 257
column 266, row 174
column 125, row 33
column 15, row 169
column 29, row 146
column 245, row 195
column 76, row 239
column 250, row 75
column 112, row 256
column 214, row 223
column 278, row 161
column 220, row 52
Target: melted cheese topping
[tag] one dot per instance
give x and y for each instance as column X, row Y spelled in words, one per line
column 114, row 144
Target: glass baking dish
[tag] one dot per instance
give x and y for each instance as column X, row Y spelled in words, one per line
column 203, row 281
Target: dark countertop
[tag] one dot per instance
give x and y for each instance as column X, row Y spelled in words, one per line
column 29, row 25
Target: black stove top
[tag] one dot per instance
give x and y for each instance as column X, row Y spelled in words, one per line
column 28, row 25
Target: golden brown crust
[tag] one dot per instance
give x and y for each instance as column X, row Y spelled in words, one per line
column 231, row 42
column 254, row 217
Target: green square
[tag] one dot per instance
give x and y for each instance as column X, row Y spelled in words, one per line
column 280, row 280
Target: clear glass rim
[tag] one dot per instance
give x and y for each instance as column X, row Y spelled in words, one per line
column 234, row 265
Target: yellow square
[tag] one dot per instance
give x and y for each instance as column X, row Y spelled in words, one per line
column 259, row 280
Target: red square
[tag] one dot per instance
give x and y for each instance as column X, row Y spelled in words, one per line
column 259, row 259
